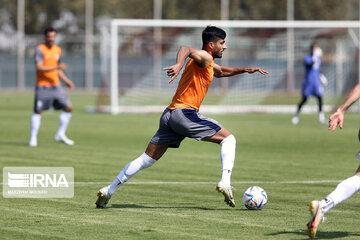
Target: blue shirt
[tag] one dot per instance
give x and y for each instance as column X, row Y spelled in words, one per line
column 312, row 70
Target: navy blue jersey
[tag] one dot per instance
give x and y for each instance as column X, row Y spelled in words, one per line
column 312, row 84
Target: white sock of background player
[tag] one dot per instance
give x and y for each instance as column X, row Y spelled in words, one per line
column 64, row 119
column 34, row 126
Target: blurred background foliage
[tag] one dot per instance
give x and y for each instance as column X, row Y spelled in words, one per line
column 69, row 15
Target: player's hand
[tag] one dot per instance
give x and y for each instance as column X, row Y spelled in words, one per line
column 255, row 69
column 62, row 66
column 336, row 119
column 70, row 84
column 173, row 71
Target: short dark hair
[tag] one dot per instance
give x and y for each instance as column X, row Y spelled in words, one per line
column 49, row 29
column 313, row 44
column 211, row 34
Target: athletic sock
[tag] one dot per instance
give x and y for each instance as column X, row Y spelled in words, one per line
column 321, row 117
column 64, row 120
column 227, row 155
column 343, row 191
column 144, row 161
column 35, row 125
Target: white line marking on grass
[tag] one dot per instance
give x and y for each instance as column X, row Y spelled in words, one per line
column 210, row 183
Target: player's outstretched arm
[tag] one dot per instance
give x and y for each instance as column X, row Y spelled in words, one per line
column 41, row 68
column 337, row 119
column 66, row 80
column 201, row 58
column 222, row 71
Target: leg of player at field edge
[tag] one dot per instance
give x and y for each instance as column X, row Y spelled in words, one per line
column 346, row 188
column 342, row 192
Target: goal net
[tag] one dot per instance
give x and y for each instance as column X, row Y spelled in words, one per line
column 136, row 51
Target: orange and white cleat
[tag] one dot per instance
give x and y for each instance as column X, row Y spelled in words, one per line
column 103, row 197
column 316, row 217
column 227, row 192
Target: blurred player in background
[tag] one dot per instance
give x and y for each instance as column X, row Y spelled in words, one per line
column 48, row 90
column 182, row 118
column 312, row 85
column 347, row 187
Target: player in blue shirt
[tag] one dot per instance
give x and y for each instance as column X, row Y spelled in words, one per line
column 312, row 84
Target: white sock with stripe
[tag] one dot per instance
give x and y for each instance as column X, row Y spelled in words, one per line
column 343, row 191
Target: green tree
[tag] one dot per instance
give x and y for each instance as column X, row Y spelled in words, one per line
column 258, row 10
column 327, row 10
column 69, row 15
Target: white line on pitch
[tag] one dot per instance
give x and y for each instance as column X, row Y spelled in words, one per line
column 205, row 183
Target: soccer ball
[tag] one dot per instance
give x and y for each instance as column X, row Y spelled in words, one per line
column 255, row 198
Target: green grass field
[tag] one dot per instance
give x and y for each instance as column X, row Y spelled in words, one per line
column 271, row 153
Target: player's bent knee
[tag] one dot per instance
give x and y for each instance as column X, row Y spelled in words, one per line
column 357, row 173
column 155, row 151
column 230, row 140
column 147, row 161
column 68, row 109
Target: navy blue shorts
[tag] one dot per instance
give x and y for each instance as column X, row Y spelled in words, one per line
column 179, row 123
column 312, row 90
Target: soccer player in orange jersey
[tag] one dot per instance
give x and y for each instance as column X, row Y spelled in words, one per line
column 49, row 92
column 182, row 118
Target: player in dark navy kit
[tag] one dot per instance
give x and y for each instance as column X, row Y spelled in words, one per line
column 312, row 85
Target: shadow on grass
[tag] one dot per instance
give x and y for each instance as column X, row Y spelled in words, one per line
column 319, row 234
column 163, row 206
column 14, row 143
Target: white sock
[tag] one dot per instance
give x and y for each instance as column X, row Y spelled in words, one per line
column 35, row 125
column 227, row 155
column 64, row 120
column 144, row 161
column 321, row 116
column 343, row 191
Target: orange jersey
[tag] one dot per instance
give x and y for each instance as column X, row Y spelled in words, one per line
column 50, row 58
column 193, row 86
